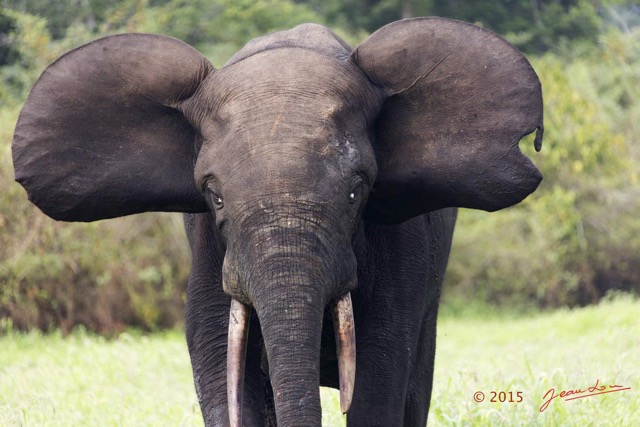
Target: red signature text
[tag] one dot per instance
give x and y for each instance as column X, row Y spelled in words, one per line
column 594, row 390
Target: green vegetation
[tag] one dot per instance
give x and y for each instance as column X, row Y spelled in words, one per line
column 145, row 380
column 85, row 380
column 565, row 350
column 572, row 242
column 533, row 26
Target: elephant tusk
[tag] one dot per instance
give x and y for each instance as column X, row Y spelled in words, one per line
column 346, row 348
column 236, row 352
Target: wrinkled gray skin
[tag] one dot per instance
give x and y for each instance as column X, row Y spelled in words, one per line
column 307, row 170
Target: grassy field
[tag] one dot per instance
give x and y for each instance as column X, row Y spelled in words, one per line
column 135, row 380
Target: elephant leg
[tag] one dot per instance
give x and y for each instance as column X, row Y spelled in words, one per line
column 382, row 375
column 439, row 227
column 418, row 397
column 396, row 380
column 395, row 310
column 207, row 322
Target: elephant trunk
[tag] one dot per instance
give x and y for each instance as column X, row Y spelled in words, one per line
column 288, row 271
column 238, row 329
column 291, row 324
column 291, row 314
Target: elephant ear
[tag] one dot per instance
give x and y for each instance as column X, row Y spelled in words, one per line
column 458, row 100
column 100, row 134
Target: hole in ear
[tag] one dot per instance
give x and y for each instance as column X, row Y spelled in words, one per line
column 526, row 144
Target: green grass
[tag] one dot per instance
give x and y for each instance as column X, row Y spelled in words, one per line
column 83, row 380
column 565, row 349
column 136, row 380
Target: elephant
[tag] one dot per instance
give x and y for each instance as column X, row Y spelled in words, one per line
column 319, row 185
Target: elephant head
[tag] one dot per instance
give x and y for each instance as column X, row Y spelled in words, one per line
column 289, row 146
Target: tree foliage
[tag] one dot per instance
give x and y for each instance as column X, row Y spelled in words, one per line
column 532, row 25
column 8, row 53
column 62, row 14
column 224, row 24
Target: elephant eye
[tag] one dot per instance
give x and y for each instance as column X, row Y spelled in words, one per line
column 212, row 191
column 216, row 200
column 356, row 192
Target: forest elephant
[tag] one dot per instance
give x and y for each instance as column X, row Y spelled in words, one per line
column 319, row 185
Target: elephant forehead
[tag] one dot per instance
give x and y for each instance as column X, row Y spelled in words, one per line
column 284, row 150
column 292, row 96
column 292, row 78
column 283, row 167
column 286, row 116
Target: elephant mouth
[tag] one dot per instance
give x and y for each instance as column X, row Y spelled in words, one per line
column 344, row 327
